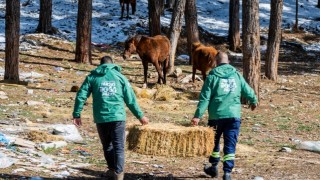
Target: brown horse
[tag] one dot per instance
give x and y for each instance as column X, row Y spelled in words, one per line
column 203, row 58
column 127, row 2
column 153, row 50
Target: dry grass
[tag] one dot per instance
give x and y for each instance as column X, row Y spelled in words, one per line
column 40, row 136
column 144, row 93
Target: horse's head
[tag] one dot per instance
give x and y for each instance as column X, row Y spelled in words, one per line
column 130, row 47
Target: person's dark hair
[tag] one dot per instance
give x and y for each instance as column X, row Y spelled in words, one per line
column 106, row 60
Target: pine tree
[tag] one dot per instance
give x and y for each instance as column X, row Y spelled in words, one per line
column 274, row 37
column 45, row 25
column 251, row 43
column 191, row 19
column 84, row 25
column 12, row 41
column 175, row 29
column 155, row 10
column 234, row 25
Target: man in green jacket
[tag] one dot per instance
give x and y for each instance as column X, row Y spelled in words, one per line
column 110, row 91
column 221, row 94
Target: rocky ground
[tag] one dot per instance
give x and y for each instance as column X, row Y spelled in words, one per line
column 288, row 110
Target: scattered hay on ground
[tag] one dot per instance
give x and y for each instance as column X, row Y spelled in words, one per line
column 170, row 140
column 159, row 93
column 189, row 95
column 165, row 93
column 245, row 149
column 144, row 93
column 40, row 136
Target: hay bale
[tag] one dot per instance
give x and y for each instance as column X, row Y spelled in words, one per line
column 170, row 140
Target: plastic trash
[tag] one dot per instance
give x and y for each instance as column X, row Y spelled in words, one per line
column 18, row 170
column 3, row 139
column 46, row 160
column 313, row 146
column 82, row 151
column 6, row 161
column 54, row 144
column 62, row 174
column 70, row 133
column 36, row 178
column 309, row 145
column 59, row 69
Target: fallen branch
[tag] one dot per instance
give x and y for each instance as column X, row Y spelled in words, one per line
column 139, row 162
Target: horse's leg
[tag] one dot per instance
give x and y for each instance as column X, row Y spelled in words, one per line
column 160, row 75
column 193, row 73
column 160, row 66
column 145, row 73
column 204, row 75
column 165, row 68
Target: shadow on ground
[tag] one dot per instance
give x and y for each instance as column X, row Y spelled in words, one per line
column 93, row 174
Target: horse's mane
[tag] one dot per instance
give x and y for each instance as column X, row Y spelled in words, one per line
column 136, row 38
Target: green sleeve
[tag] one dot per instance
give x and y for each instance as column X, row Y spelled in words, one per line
column 247, row 92
column 204, row 99
column 131, row 100
column 81, row 98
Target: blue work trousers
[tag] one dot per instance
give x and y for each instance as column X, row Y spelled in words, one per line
column 112, row 137
column 229, row 127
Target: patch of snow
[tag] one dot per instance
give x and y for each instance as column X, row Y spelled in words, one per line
column 24, row 75
column 312, row 47
column 107, row 28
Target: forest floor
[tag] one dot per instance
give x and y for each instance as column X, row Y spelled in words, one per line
column 288, row 108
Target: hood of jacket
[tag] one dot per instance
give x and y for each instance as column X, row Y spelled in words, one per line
column 104, row 68
column 224, row 71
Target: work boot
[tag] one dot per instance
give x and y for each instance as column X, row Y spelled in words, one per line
column 108, row 174
column 211, row 171
column 227, row 176
column 119, row 176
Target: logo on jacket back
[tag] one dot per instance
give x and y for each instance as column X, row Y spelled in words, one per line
column 228, row 85
column 108, row 88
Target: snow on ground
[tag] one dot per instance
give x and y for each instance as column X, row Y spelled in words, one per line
column 108, row 28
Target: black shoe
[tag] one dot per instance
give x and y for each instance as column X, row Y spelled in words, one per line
column 211, row 171
column 227, row 176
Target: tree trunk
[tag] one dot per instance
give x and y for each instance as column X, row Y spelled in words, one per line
column 251, row 43
column 175, row 29
column 274, row 38
column 170, row 4
column 83, row 45
column 12, row 31
column 155, row 10
column 295, row 27
column 234, row 25
column 45, row 25
column 191, row 25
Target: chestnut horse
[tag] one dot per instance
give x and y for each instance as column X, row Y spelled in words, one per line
column 127, row 2
column 153, row 50
column 203, row 59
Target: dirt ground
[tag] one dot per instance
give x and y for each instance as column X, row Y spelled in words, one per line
column 288, row 108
